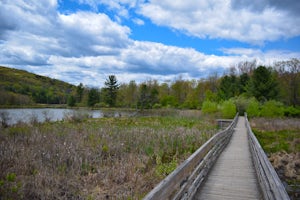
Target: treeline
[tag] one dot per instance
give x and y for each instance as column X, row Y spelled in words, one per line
column 246, row 84
column 243, row 84
column 19, row 87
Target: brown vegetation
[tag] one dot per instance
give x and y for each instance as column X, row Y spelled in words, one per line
column 280, row 139
column 109, row 158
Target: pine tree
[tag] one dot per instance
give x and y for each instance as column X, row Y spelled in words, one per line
column 111, row 89
column 263, row 86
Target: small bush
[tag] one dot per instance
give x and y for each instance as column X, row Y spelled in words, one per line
column 241, row 104
column 292, row 112
column 4, row 119
column 272, row 109
column 156, row 106
column 209, row 107
column 253, row 108
column 76, row 116
column 228, row 109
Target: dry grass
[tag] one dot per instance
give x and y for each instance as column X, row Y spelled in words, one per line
column 275, row 124
column 109, row 158
column 280, row 139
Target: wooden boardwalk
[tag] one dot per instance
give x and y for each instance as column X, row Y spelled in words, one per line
column 233, row 175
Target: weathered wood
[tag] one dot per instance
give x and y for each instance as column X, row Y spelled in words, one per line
column 177, row 184
column 233, row 174
column 223, row 123
column 271, row 185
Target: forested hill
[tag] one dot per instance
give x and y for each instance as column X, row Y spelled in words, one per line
column 19, row 87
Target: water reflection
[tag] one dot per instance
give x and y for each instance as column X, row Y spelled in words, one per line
column 29, row 115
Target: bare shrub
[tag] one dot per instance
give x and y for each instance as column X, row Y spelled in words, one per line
column 76, row 116
column 47, row 115
column 4, row 119
column 33, row 119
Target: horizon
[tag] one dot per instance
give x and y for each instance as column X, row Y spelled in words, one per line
column 85, row 41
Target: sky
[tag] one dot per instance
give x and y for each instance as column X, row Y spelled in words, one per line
column 85, row 41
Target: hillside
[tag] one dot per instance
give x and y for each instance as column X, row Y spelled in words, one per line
column 19, row 87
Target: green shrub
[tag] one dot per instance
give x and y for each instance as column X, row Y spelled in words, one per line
column 292, row 112
column 156, row 106
column 272, row 109
column 209, row 107
column 241, row 104
column 228, row 109
column 253, row 108
column 71, row 101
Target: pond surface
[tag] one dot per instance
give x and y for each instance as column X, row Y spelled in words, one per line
column 27, row 115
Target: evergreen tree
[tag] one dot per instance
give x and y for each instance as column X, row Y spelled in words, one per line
column 71, row 101
column 144, row 100
column 243, row 81
column 229, row 87
column 79, row 92
column 263, row 85
column 111, row 89
column 93, row 97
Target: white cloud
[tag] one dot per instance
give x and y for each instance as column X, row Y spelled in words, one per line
column 138, row 21
column 217, row 19
column 87, row 46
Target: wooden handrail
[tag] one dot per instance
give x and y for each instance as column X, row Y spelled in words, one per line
column 270, row 184
column 183, row 182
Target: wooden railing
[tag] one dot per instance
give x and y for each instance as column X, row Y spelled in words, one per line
column 270, row 184
column 183, row 182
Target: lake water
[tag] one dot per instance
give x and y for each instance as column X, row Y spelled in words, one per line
column 27, row 115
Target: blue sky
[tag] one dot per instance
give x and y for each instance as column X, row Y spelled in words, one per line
column 87, row 40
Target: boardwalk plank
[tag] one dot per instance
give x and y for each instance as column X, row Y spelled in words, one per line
column 233, row 175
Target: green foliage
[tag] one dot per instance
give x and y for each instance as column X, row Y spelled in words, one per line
column 156, row 106
column 111, row 89
column 228, row 109
column 164, row 169
column 229, row 87
column 11, row 177
column 93, row 97
column 243, row 82
column 241, row 103
column 168, row 101
column 276, row 141
column 22, row 88
column 71, row 101
column 263, row 85
column 19, row 87
column 272, row 109
column 292, row 111
column 253, row 108
column 79, row 92
column 10, row 188
column 210, row 96
column 209, row 107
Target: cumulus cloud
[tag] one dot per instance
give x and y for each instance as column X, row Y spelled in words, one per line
column 38, row 30
column 292, row 6
column 138, row 21
column 220, row 19
column 251, row 21
column 87, row 46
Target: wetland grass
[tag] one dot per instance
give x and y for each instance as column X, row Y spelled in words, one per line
column 108, row 158
column 280, row 139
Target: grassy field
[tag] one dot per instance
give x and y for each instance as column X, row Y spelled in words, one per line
column 113, row 158
column 280, row 139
